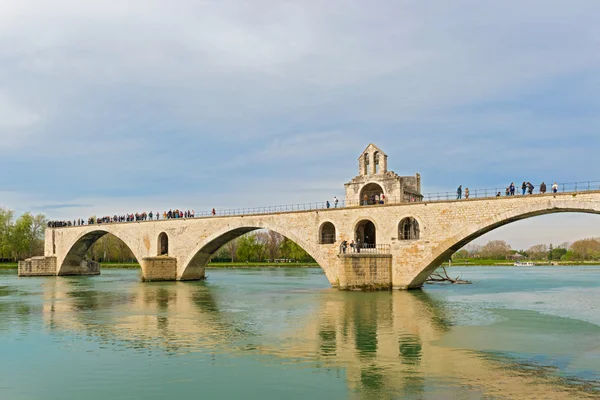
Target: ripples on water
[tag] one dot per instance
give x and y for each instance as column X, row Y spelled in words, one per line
column 272, row 333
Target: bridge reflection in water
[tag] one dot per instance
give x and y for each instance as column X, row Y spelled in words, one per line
column 384, row 343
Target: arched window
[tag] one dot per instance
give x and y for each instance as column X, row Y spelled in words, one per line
column 370, row 194
column 376, row 162
column 408, row 229
column 367, row 169
column 365, row 234
column 163, row 244
column 327, row 235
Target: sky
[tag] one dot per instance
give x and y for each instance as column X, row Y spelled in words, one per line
column 108, row 107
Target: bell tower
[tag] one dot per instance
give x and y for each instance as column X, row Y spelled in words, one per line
column 374, row 184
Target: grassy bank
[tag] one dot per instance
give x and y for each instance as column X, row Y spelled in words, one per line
column 8, row 266
column 474, row 262
column 222, row 265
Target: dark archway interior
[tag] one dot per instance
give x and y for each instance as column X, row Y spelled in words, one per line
column 408, row 229
column 365, row 233
column 163, row 244
column 371, row 190
column 327, row 233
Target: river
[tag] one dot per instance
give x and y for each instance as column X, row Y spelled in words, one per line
column 284, row 333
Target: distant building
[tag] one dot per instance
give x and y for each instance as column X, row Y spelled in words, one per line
column 374, row 179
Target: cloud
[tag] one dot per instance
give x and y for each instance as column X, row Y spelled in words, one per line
column 106, row 103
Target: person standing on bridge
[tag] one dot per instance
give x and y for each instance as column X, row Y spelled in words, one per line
column 466, row 193
column 512, row 188
column 555, row 187
column 524, row 187
column 543, row 188
column 459, row 192
column 214, row 212
column 327, row 204
column 530, row 188
column 335, row 202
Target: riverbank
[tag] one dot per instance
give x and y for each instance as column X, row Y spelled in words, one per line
column 506, row 263
column 223, row 265
column 4, row 266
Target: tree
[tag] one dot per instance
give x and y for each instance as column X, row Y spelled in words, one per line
column 496, row 250
column 558, row 253
column 461, row 254
column 538, row 252
column 232, row 246
column 273, row 245
column 586, row 249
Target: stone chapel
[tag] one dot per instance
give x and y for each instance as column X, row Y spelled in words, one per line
column 374, row 179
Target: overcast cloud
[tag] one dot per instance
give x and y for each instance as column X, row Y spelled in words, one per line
column 112, row 107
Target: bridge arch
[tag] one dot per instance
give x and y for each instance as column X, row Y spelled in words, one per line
column 74, row 262
column 194, row 264
column 444, row 250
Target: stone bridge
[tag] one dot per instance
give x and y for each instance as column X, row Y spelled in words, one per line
column 416, row 237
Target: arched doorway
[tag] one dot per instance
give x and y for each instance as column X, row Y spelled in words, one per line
column 370, row 194
column 163, row 244
column 327, row 235
column 408, row 229
column 365, row 234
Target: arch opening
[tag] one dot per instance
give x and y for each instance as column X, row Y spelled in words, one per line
column 408, row 229
column 251, row 244
column 453, row 244
column 327, row 233
column 86, row 254
column 365, row 234
column 366, row 163
column 376, row 157
column 163, row 244
column 371, row 194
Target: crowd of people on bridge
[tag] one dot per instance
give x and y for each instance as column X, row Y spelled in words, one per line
column 526, row 188
column 143, row 216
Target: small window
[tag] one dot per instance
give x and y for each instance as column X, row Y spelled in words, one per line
column 163, row 244
column 327, row 235
column 408, row 229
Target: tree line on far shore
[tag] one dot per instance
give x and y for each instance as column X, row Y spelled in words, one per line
column 580, row 250
column 22, row 237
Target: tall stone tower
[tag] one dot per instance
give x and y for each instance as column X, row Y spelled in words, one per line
column 374, row 179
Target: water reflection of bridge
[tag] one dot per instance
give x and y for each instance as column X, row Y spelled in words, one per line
column 384, row 343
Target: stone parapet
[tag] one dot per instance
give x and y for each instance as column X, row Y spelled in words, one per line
column 159, row 268
column 365, row 272
column 38, row 266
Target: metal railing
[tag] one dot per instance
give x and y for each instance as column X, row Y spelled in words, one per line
column 570, row 187
column 365, row 249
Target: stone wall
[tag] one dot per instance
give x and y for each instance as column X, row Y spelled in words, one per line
column 159, row 269
column 37, row 266
column 366, row 272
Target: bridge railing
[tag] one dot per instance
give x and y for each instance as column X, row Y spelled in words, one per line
column 566, row 187
column 366, row 249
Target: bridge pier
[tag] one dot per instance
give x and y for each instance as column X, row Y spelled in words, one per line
column 38, row 266
column 365, row 271
column 160, row 268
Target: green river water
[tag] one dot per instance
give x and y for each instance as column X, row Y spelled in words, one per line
column 285, row 334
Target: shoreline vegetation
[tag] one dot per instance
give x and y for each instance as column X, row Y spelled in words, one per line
column 455, row 263
column 134, row 265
